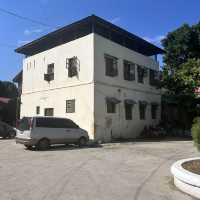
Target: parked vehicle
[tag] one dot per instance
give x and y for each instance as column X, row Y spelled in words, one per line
column 6, row 131
column 41, row 132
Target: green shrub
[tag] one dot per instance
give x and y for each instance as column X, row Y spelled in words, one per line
column 196, row 132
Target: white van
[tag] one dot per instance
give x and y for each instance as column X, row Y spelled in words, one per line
column 41, row 132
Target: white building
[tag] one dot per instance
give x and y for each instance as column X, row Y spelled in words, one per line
column 96, row 74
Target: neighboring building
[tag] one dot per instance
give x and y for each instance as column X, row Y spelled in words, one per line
column 3, row 103
column 95, row 73
column 18, row 79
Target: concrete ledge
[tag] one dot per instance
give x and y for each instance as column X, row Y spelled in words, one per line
column 186, row 181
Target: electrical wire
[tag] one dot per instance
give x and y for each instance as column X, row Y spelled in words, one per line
column 26, row 18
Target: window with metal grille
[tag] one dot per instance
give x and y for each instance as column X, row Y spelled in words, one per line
column 111, row 66
column 111, row 107
column 48, row 111
column 70, row 106
column 142, row 73
column 154, row 108
column 142, row 109
column 72, row 66
column 154, row 77
column 37, row 110
column 50, row 73
column 128, row 111
column 129, row 71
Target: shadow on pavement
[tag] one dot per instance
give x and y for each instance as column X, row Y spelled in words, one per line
column 67, row 147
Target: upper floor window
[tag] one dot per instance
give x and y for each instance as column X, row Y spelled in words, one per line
column 111, row 65
column 154, row 77
column 50, row 72
column 142, row 73
column 129, row 71
column 72, row 66
column 142, row 109
column 70, row 106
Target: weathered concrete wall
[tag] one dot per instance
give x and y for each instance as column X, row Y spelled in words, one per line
column 114, row 125
column 38, row 92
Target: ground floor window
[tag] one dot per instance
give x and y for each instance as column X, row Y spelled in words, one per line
column 154, row 108
column 70, row 106
column 111, row 103
column 128, row 107
column 111, row 107
column 37, row 110
column 142, row 109
column 128, row 111
column 48, row 111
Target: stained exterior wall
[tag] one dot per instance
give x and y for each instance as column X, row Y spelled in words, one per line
column 108, row 126
column 90, row 88
column 38, row 92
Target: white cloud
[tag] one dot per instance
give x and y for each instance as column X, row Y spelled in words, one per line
column 156, row 40
column 22, row 42
column 115, row 20
column 31, row 31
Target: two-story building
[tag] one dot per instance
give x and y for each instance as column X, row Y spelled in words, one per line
column 95, row 73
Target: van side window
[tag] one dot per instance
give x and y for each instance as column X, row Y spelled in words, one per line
column 48, row 112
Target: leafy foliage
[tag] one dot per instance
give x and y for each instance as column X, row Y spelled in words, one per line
column 181, row 70
column 196, row 132
column 8, row 89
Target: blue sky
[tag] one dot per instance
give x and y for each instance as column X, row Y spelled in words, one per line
column 150, row 19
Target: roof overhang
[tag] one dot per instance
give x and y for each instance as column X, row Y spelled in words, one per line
column 91, row 24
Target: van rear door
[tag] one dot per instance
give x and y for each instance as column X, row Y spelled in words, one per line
column 25, row 126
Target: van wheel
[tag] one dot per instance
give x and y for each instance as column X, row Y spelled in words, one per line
column 28, row 147
column 43, row 144
column 82, row 142
column 11, row 134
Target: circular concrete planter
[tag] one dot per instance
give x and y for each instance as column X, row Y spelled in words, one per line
column 186, row 181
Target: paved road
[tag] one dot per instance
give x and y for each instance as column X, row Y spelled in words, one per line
column 135, row 171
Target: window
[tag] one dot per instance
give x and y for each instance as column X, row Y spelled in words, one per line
column 128, row 106
column 72, row 66
column 128, row 111
column 37, row 110
column 154, row 108
column 111, row 107
column 142, row 72
column 55, row 123
column 48, row 112
column 142, row 109
column 129, row 71
column 50, row 73
column 154, row 77
column 111, row 104
column 70, row 106
column 111, row 66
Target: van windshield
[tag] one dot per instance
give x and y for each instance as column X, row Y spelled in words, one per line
column 24, row 123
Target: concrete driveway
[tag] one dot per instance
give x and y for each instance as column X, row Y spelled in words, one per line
column 136, row 171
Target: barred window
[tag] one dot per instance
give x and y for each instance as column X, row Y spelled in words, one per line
column 129, row 71
column 72, row 66
column 50, row 73
column 111, row 66
column 37, row 110
column 142, row 72
column 142, row 109
column 154, row 108
column 70, row 106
